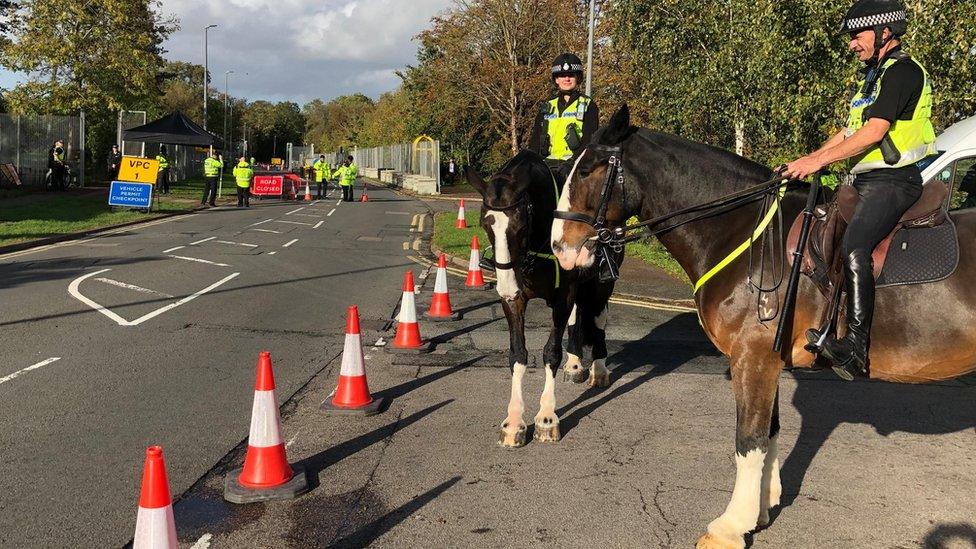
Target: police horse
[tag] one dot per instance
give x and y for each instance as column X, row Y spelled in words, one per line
column 518, row 203
column 628, row 171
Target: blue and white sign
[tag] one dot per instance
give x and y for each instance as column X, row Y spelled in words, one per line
column 132, row 195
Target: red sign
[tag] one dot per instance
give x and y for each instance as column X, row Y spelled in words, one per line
column 267, row 185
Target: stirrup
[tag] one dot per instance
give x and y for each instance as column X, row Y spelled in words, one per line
column 815, row 340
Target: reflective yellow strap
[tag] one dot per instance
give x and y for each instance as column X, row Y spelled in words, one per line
column 555, row 262
column 745, row 245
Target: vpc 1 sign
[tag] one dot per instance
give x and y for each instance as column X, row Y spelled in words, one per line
column 130, row 195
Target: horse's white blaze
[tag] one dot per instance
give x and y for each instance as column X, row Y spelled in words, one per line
column 507, row 286
column 572, row 317
column 742, row 513
column 563, row 204
column 601, row 319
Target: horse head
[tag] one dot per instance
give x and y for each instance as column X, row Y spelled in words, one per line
column 506, row 216
column 593, row 199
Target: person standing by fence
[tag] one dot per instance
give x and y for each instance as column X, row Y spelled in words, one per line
column 350, row 172
column 162, row 176
column 242, row 174
column 211, row 169
column 56, row 167
column 113, row 163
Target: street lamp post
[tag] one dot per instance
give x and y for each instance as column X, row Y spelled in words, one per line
column 206, row 73
column 589, row 51
column 226, row 101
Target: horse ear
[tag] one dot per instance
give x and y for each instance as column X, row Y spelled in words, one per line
column 475, row 179
column 618, row 127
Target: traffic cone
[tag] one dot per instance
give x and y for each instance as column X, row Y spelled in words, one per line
column 365, row 197
column 266, row 473
column 352, row 394
column 462, row 221
column 475, row 280
column 440, row 307
column 155, row 527
column 407, row 338
column 308, row 194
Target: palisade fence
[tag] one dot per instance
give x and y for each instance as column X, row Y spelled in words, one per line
column 421, row 158
column 26, row 139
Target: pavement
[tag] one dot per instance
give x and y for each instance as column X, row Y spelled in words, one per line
column 644, row 462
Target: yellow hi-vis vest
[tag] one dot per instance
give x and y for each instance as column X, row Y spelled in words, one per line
column 914, row 139
column 242, row 174
column 321, row 171
column 163, row 163
column 557, row 124
column 211, row 167
column 349, row 175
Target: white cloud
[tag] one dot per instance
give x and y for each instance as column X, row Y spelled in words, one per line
column 302, row 49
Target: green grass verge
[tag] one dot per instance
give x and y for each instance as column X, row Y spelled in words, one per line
column 457, row 242
column 654, row 253
column 53, row 215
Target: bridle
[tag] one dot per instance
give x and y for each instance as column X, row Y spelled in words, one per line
column 523, row 201
column 614, row 239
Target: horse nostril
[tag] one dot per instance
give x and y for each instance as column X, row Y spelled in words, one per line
column 556, row 246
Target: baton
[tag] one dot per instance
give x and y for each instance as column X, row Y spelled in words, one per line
column 792, row 287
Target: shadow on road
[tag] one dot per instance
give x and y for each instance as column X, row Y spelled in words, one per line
column 368, row 533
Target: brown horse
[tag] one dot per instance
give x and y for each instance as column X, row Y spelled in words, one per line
column 922, row 332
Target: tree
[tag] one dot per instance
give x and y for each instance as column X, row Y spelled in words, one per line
column 96, row 56
column 387, row 122
column 272, row 125
column 337, row 123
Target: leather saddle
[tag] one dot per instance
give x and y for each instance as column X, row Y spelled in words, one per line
column 822, row 259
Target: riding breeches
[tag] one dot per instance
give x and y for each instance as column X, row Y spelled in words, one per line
column 885, row 196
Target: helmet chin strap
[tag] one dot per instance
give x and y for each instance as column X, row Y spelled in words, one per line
column 879, row 43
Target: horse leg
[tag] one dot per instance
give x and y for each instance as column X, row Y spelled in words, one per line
column 574, row 349
column 754, row 383
column 513, row 429
column 546, row 421
column 771, row 488
column 599, row 374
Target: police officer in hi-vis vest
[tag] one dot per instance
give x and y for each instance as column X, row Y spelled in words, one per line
column 211, row 170
column 564, row 125
column 162, row 176
column 888, row 131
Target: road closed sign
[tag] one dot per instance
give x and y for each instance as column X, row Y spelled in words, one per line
column 138, row 170
column 267, row 185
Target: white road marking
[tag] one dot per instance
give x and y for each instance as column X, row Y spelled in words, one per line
column 237, row 243
column 29, row 368
column 200, row 260
column 260, row 222
column 202, row 241
column 307, row 215
column 398, row 213
column 290, row 243
column 319, row 224
column 203, row 542
column 76, row 283
column 131, row 286
column 272, row 253
column 173, row 249
column 267, row 231
column 331, row 212
column 296, row 210
column 290, row 442
column 338, row 203
column 292, row 222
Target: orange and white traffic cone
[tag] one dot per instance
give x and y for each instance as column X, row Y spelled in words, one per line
column 462, row 221
column 352, row 395
column 365, row 197
column 407, row 338
column 476, row 279
column 266, row 473
column 308, row 193
column 155, row 527
column 440, row 306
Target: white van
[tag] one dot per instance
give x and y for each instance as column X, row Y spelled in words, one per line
column 955, row 164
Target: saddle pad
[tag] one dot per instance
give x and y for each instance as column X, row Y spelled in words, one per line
column 921, row 255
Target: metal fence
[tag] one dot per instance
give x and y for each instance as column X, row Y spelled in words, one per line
column 128, row 120
column 423, row 158
column 25, row 141
column 297, row 155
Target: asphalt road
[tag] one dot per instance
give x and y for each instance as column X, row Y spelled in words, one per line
column 143, row 372
column 645, row 462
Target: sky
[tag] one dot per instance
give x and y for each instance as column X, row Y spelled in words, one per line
column 297, row 50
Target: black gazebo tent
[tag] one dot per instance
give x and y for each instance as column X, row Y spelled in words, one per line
column 173, row 129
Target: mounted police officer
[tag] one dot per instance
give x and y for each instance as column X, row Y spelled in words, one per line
column 564, row 125
column 888, row 131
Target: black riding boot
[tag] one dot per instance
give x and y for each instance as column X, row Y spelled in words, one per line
column 850, row 353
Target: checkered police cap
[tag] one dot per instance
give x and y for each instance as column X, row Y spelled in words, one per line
column 874, row 20
column 567, row 68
